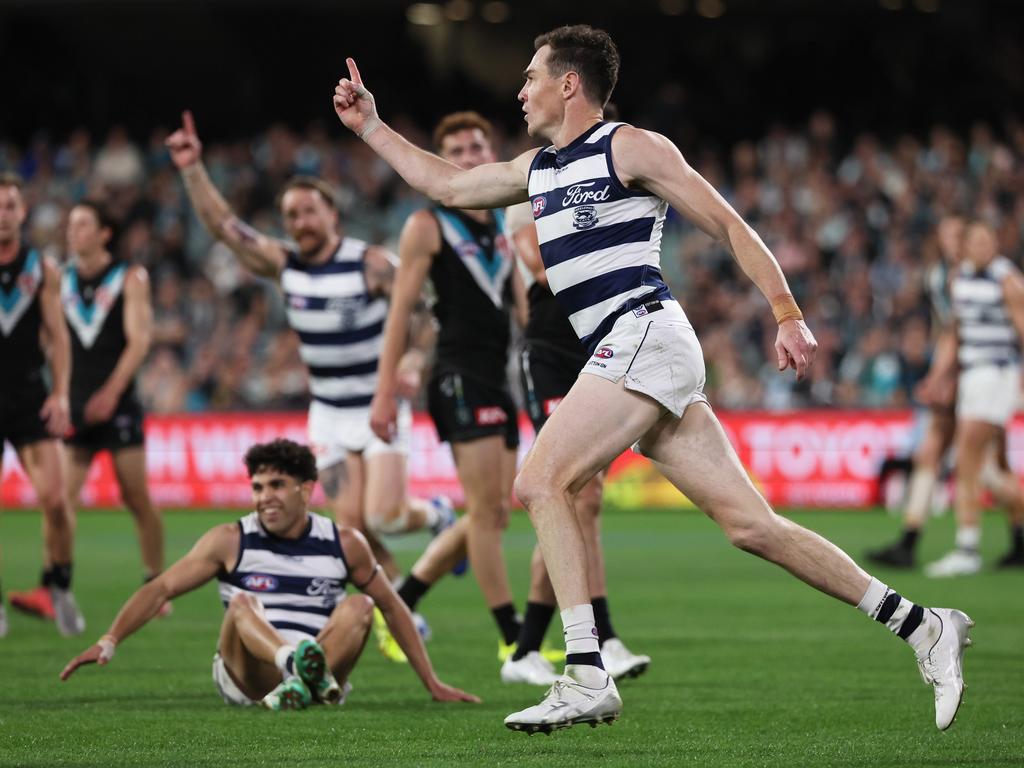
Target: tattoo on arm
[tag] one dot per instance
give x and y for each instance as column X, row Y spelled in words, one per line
column 333, row 479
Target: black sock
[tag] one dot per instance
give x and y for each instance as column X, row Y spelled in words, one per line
column 508, row 624
column 593, row 659
column 535, row 625
column 1017, row 538
column 412, row 591
column 46, row 580
column 909, row 540
column 603, row 619
column 59, row 577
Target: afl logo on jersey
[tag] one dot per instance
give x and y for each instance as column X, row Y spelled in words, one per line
column 539, row 204
column 604, row 353
column 259, row 582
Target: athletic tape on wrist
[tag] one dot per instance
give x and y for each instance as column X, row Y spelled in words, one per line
column 785, row 308
column 372, row 125
column 107, row 644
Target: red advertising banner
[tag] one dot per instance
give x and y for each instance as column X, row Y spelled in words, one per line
column 813, row 459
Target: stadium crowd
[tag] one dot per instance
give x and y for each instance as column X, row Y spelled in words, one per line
column 849, row 220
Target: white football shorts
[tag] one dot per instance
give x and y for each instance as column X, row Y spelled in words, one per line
column 334, row 432
column 656, row 353
column 988, row 393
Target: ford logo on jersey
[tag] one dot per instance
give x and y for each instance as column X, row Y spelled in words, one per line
column 579, row 193
column 584, row 217
column 259, row 582
column 539, row 204
column 604, row 353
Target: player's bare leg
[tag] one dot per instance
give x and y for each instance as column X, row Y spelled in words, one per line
column 43, row 462
column 344, row 484
column 927, row 463
column 389, row 507
column 1005, row 486
column 263, row 664
column 345, row 635
column 487, row 499
column 130, row 469
column 974, row 443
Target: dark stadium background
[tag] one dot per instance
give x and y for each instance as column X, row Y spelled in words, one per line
column 889, row 66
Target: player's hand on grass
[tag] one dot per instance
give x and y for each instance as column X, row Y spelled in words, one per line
column 444, row 692
column 796, row 347
column 100, row 653
column 184, row 144
column 354, row 104
column 100, row 407
column 384, row 416
column 56, row 415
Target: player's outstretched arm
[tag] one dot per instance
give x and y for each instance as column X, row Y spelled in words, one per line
column 214, row 551
column 56, row 410
column 649, row 160
column 1013, row 293
column 262, row 255
column 419, row 241
column 138, row 332
column 487, row 186
column 369, row 577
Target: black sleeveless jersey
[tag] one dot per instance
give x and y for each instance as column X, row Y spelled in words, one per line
column 472, row 279
column 548, row 326
column 94, row 310
column 21, row 320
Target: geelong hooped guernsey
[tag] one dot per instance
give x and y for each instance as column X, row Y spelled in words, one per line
column 986, row 333
column 340, row 325
column 20, row 320
column 600, row 242
column 94, row 311
column 298, row 581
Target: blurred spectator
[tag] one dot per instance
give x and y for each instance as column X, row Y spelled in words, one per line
column 849, row 219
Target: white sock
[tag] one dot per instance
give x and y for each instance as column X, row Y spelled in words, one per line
column 968, row 538
column 431, row 512
column 919, row 496
column 903, row 618
column 580, row 630
column 283, row 658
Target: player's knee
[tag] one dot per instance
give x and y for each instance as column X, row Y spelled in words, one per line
column 386, row 522
column 55, row 506
column 530, row 488
column 752, row 534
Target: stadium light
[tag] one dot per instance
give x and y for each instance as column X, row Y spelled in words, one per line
column 458, row 10
column 424, row 14
column 495, row 12
column 710, row 9
column 672, row 7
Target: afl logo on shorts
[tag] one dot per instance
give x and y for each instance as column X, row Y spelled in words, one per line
column 604, row 353
column 539, row 204
column 259, row 582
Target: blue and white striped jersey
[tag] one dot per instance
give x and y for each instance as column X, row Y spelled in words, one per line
column 986, row 332
column 340, row 325
column 600, row 242
column 298, row 581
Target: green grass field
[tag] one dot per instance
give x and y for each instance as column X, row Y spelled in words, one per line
column 750, row 668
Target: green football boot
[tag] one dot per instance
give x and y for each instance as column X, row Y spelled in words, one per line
column 290, row 694
column 311, row 665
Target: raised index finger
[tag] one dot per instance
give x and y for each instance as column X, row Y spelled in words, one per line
column 188, row 123
column 353, row 71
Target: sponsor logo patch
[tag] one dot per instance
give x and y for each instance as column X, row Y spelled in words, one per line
column 539, row 204
column 259, row 582
column 604, row 353
column 490, row 415
column 579, row 194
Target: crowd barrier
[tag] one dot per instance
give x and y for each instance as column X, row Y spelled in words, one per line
column 810, row 459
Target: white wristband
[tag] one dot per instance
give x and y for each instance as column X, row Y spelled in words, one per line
column 107, row 644
column 371, row 125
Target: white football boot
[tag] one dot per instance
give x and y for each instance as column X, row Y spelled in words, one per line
column 620, row 662
column 68, row 618
column 532, row 669
column 567, row 703
column 956, row 563
column 940, row 661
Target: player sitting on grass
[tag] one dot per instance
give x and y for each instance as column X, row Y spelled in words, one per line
column 290, row 635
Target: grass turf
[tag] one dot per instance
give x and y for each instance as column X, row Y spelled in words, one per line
column 750, row 668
